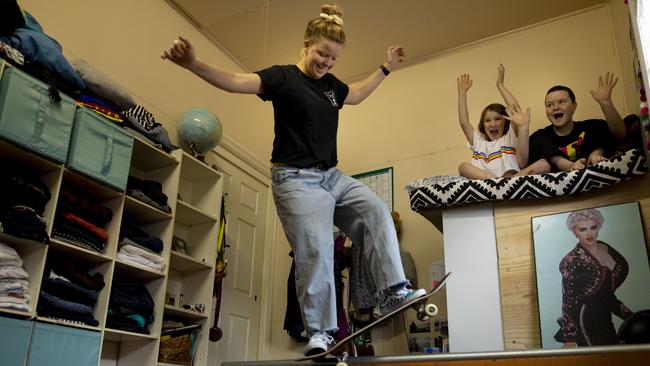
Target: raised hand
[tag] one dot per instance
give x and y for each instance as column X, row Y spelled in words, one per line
column 603, row 92
column 501, row 74
column 180, row 53
column 517, row 116
column 464, row 83
column 394, row 55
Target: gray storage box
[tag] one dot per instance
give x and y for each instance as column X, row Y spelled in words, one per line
column 14, row 340
column 100, row 149
column 56, row 345
column 29, row 118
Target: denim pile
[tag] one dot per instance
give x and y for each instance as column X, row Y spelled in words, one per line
column 68, row 291
column 130, row 307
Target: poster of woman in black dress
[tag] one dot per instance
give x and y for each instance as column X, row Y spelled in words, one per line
column 591, row 275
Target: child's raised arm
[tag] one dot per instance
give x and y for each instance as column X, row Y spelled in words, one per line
column 603, row 95
column 508, row 97
column 521, row 121
column 464, row 83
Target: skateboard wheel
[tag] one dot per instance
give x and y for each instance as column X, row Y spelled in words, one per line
column 341, row 363
column 422, row 316
column 430, row 310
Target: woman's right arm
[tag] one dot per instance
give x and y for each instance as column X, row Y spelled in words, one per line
column 182, row 54
column 464, row 83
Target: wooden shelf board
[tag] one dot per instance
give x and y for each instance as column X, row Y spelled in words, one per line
column 88, row 255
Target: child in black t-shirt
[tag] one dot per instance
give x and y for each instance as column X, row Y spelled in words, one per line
column 569, row 145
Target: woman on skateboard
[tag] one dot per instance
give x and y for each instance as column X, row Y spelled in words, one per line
column 311, row 195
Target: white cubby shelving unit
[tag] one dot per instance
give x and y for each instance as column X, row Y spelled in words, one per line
column 194, row 192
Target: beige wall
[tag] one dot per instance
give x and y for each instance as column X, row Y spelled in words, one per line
column 619, row 13
column 409, row 123
column 124, row 39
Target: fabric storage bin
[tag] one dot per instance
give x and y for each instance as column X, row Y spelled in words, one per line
column 100, row 149
column 56, row 345
column 14, row 340
column 31, row 119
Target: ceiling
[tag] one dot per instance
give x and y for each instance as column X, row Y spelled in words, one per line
column 260, row 33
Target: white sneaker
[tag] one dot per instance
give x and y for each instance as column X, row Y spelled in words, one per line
column 390, row 300
column 319, row 342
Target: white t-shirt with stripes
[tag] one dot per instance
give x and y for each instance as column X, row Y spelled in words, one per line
column 496, row 156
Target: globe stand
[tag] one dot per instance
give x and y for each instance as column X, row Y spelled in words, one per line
column 197, row 155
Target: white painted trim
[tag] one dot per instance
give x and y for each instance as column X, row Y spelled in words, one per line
column 242, row 158
column 268, row 281
column 245, row 156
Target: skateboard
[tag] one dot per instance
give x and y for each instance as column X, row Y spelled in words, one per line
column 424, row 310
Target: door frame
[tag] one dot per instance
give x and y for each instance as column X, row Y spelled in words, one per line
column 239, row 156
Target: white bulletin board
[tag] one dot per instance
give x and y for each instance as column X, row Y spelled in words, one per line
column 381, row 182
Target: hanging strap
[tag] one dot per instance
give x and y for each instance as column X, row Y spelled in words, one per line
column 41, row 114
column 53, row 91
column 108, row 157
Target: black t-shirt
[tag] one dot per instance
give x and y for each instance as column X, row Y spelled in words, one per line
column 306, row 113
column 584, row 138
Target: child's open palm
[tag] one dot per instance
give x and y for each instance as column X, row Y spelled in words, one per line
column 517, row 116
column 464, row 83
column 603, row 92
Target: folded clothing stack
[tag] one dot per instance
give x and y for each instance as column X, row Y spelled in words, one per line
column 23, row 197
column 149, row 192
column 69, row 292
column 80, row 220
column 139, row 248
column 14, row 280
column 130, row 307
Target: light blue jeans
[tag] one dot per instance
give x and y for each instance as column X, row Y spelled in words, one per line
column 309, row 203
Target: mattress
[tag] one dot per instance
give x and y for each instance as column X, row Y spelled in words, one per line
column 443, row 191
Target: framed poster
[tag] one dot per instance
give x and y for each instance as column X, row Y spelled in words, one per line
column 592, row 272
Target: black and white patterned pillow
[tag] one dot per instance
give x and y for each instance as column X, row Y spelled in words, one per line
column 434, row 192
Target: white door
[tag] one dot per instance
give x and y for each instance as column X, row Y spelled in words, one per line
column 246, row 210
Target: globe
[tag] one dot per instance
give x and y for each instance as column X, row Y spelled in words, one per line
column 199, row 131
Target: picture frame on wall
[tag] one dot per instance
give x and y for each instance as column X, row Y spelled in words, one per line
column 592, row 272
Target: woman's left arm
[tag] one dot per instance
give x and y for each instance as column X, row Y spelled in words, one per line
column 362, row 89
